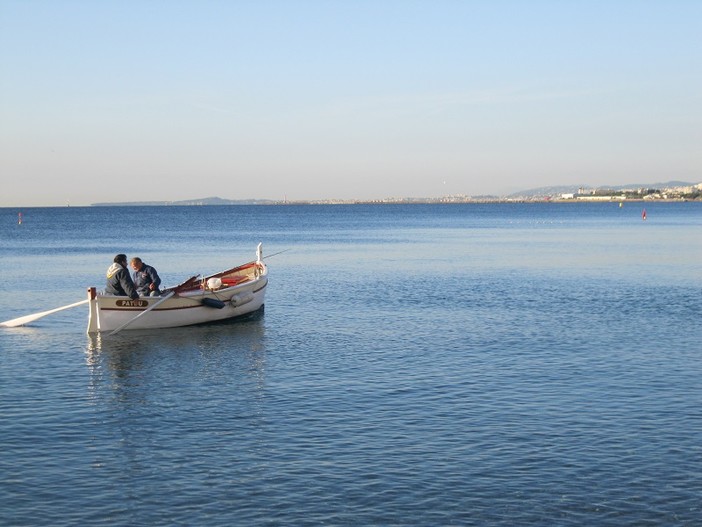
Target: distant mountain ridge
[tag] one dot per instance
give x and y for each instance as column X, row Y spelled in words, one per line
column 188, row 202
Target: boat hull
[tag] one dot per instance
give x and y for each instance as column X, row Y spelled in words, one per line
column 195, row 305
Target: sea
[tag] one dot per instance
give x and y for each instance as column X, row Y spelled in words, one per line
column 498, row 364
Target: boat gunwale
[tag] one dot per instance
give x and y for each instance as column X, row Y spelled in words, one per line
column 192, row 295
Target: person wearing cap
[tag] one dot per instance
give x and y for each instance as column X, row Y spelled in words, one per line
column 119, row 283
column 145, row 277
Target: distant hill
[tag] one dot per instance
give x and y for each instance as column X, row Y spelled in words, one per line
column 188, row 202
column 669, row 184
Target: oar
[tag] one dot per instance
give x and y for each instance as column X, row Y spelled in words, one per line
column 169, row 295
column 21, row 321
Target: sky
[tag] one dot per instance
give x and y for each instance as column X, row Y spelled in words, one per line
column 114, row 101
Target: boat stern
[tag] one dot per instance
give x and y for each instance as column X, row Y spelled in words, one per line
column 93, row 319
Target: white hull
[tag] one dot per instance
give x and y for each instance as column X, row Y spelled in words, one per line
column 242, row 292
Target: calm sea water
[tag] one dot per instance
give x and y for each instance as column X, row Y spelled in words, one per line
column 501, row 364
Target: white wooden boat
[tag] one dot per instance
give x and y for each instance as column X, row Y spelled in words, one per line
column 228, row 294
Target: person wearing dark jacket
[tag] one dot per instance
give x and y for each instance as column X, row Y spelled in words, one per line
column 146, row 279
column 119, row 282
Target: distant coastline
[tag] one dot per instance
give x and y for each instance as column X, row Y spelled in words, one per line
column 671, row 191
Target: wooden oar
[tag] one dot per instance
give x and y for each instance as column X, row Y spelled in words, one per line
column 21, row 321
column 183, row 285
column 169, row 295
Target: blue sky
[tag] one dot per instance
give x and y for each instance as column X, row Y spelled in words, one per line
column 169, row 100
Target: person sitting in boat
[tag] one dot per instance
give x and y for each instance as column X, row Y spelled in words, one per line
column 146, row 279
column 119, row 282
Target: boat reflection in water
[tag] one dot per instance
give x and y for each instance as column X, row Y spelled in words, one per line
column 133, row 363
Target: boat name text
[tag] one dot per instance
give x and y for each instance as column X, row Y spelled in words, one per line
column 132, row 303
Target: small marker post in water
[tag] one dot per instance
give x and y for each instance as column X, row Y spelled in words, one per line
column 643, row 215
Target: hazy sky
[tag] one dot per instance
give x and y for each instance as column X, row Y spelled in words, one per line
column 169, row 100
